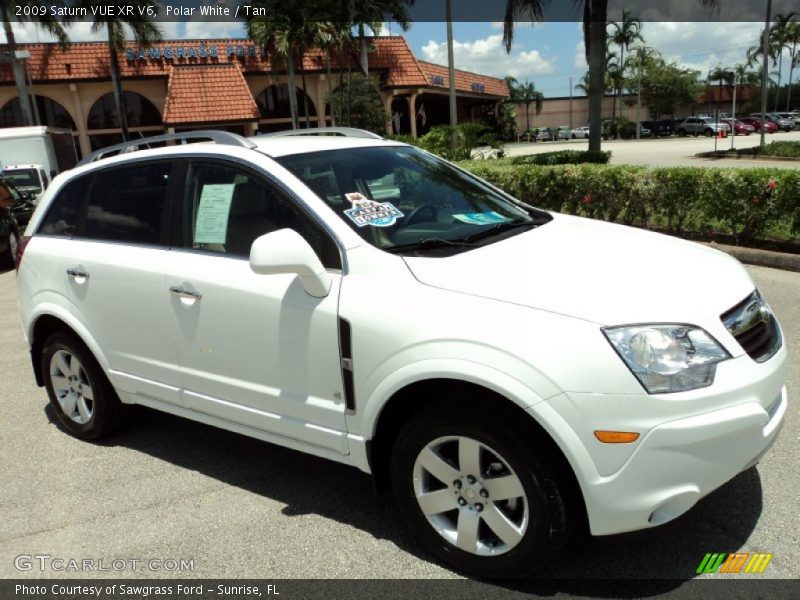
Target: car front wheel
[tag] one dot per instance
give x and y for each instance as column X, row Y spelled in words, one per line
column 81, row 395
column 481, row 497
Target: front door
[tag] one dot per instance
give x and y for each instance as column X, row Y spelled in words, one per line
column 253, row 349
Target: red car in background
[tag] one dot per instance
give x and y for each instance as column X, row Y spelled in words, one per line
column 769, row 126
column 738, row 127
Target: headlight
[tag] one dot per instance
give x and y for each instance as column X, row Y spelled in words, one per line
column 667, row 358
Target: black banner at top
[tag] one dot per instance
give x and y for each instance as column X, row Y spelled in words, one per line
column 420, row 11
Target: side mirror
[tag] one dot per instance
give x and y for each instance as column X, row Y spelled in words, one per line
column 285, row 251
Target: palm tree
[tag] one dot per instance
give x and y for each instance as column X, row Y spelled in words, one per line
column 145, row 32
column 780, row 32
column 526, row 94
column 792, row 43
column 47, row 22
column 595, row 18
column 371, row 14
column 623, row 34
column 722, row 75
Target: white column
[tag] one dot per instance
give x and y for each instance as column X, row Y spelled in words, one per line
column 412, row 113
column 83, row 138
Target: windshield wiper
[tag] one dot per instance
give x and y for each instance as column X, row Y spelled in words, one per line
column 498, row 228
column 430, row 243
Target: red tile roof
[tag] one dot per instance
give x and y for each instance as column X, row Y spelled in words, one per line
column 439, row 76
column 390, row 56
column 208, row 94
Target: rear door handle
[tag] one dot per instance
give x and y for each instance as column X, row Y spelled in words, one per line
column 179, row 290
column 77, row 272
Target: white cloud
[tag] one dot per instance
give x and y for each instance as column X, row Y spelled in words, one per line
column 488, row 57
column 702, row 46
column 579, row 61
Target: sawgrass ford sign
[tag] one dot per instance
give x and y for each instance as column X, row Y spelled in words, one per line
column 201, row 51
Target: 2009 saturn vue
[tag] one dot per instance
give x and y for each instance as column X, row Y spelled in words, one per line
column 510, row 372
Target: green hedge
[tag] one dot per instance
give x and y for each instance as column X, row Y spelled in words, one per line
column 562, row 157
column 783, row 149
column 746, row 203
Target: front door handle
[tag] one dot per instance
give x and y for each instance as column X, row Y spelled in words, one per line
column 77, row 272
column 179, row 290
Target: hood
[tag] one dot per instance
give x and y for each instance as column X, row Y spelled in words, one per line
column 597, row 271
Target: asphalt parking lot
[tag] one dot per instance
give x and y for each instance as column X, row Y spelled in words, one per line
column 669, row 151
column 167, row 488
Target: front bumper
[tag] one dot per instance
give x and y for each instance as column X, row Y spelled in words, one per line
column 628, row 487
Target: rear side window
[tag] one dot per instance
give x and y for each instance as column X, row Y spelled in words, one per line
column 128, row 204
column 63, row 216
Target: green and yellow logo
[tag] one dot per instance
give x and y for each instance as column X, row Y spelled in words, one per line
column 734, row 562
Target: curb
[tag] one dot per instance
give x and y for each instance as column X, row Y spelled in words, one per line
column 761, row 258
column 736, row 156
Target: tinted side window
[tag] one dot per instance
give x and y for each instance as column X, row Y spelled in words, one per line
column 228, row 208
column 128, row 204
column 64, row 213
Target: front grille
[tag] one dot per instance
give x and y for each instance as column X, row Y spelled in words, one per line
column 754, row 326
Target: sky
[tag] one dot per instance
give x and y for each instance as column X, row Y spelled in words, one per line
column 547, row 54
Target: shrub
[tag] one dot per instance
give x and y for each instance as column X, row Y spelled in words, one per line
column 745, row 203
column 562, row 157
column 469, row 136
column 782, row 149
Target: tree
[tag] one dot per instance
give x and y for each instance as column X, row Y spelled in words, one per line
column 623, row 34
column 363, row 103
column 780, row 33
column 595, row 18
column 526, row 94
column 371, row 14
column 792, row 43
column 666, row 87
column 47, row 22
column 145, row 32
column 723, row 76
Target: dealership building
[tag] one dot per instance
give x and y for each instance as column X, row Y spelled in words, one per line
column 182, row 85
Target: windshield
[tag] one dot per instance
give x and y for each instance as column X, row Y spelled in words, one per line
column 401, row 199
column 22, row 177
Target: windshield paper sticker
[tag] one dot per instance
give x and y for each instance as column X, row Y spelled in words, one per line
column 369, row 212
column 482, row 218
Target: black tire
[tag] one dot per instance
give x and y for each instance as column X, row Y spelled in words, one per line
column 548, row 521
column 682, row 132
column 7, row 259
column 107, row 412
column 708, row 132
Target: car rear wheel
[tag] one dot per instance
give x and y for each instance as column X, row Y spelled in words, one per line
column 682, row 132
column 81, row 395
column 8, row 258
column 708, row 132
column 480, row 496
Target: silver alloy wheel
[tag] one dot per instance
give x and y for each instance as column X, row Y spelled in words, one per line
column 71, row 386
column 470, row 495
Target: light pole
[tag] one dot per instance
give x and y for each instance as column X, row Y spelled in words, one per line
column 570, row 103
column 641, row 53
column 451, row 69
column 765, row 71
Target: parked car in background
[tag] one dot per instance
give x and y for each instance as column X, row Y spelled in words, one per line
column 563, row 133
column 706, row 126
column 781, row 123
column 580, row 133
column 768, row 126
column 645, row 131
column 543, row 135
column 738, row 127
column 10, row 229
column 661, row 128
column 30, row 180
column 794, row 118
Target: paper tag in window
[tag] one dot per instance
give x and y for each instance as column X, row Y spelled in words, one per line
column 211, row 226
column 481, row 218
column 368, row 212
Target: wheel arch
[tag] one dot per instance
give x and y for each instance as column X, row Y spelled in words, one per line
column 424, row 394
column 47, row 322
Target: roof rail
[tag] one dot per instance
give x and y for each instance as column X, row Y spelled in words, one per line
column 218, row 137
column 333, row 131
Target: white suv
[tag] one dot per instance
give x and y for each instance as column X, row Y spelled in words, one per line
column 509, row 371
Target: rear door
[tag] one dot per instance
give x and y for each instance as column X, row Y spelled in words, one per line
column 108, row 236
column 256, row 350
